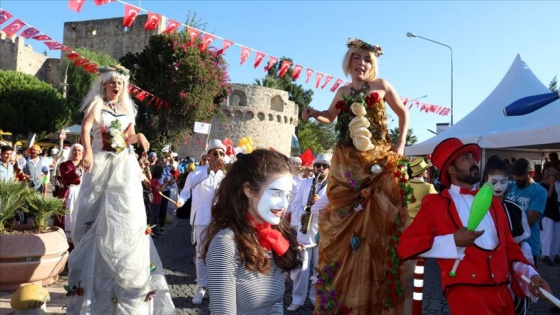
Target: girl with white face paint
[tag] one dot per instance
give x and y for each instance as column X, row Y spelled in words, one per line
column 497, row 172
column 249, row 244
column 273, row 200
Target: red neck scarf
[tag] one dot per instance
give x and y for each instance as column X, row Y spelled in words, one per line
column 466, row 191
column 270, row 238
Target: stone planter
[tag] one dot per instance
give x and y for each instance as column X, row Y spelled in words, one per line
column 32, row 259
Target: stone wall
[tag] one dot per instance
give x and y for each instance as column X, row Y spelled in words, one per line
column 264, row 114
column 109, row 36
column 16, row 55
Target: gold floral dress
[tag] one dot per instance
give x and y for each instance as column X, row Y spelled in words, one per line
column 359, row 270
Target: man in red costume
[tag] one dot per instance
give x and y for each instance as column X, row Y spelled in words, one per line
column 489, row 256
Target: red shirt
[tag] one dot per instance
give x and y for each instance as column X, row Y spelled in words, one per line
column 157, row 197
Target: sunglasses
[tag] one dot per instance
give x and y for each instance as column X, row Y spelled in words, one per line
column 318, row 165
column 216, row 153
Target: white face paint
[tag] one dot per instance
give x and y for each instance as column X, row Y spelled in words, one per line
column 500, row 183
column 274, row 199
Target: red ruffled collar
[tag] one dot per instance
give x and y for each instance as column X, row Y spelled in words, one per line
column 270, row 238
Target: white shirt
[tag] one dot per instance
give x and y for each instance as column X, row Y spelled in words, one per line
column 298, row 209
column 204, row 185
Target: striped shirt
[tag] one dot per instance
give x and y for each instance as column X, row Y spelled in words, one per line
column 235, row 290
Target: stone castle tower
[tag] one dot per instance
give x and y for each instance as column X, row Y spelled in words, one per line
column 18, row 56
column 264, row 114
column 109, row 36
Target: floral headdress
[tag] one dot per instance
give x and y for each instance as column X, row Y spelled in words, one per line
column 118, row 68
column 358, row 43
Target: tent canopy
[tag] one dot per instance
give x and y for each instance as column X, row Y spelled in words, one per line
column 486, row 125
column 73, row 130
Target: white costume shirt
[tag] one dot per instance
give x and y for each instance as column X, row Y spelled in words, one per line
column 299, row 204
column 204, row 185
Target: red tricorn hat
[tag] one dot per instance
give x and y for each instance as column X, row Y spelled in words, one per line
column 447, row 151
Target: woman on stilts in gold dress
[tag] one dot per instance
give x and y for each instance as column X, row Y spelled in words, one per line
column 359, row 270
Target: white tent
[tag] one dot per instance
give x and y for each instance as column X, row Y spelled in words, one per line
column 73, row 130
column 529, row 136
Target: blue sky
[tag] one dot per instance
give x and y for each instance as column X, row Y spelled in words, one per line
column 485, row 36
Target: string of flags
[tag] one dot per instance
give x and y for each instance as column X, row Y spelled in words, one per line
column 31, row 32
column 154, row 19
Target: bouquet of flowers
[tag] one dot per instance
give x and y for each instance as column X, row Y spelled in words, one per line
column 115, row 140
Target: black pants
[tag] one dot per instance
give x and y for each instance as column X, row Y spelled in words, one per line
column 163, row 208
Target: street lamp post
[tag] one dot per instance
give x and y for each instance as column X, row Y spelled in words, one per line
column 409, row 34
column 64, row 85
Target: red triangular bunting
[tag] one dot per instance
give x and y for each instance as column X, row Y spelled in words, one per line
column 90, row 66
column 13, row 27
column 259, row 56
column 76, row 5
column 271, row 62
column 72, row 55
column 206, row 41
column 80, row 62
column 101, row 2
column 171, row 27
column 4, row 16
column 30, row 32
column 297, row 72
column 130, row 14
column 193, row 34
column 327, row 80
column 245, row 52
column 284, row 67
column 42, row 37
column 53, row 45
column 152, row 21
column 308, row 72
column 225, row 45
column 318, row 79
column 142, row 95
column 336, row 85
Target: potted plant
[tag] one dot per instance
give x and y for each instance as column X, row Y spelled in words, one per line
column 34, row 253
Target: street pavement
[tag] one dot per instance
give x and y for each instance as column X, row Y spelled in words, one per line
column 177, row 256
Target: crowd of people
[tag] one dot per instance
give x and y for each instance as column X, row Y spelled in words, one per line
column 345, row 230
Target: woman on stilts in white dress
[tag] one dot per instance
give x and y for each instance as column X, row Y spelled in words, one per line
column 114, row 268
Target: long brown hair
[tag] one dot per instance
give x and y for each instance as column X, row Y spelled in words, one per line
column 230, row 210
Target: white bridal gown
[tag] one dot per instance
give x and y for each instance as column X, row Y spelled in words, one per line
column 115, row 262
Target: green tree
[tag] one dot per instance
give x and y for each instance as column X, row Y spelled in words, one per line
column 29, row 105
column 317, row 136
column 411, row 139
column 553, row 86
column 192, row 83
column 79, row 81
